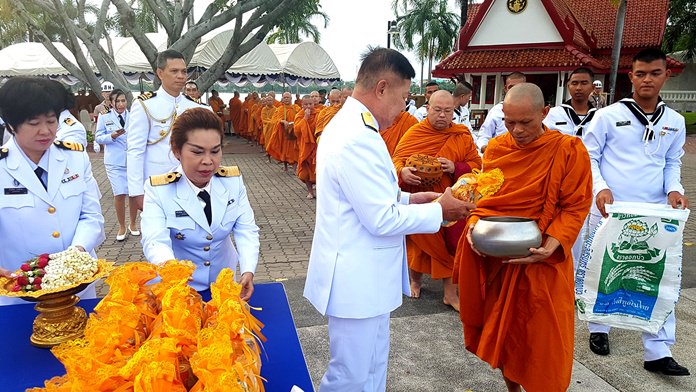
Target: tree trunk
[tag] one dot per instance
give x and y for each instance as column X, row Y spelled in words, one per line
column 422, row 61
column 616, row 51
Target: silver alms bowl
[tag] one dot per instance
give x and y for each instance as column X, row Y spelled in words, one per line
column 506, row 236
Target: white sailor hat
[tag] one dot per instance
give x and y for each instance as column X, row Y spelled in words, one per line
column 597, row 83
column 107, row 87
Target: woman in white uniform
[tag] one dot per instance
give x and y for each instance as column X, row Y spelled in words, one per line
column 111, row 132
column 50, row 199
column 190, row 213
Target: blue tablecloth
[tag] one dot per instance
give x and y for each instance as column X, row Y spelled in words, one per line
column 283, row 365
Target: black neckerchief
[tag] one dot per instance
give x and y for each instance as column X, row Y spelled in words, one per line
column 579, row 124
column 649, row 133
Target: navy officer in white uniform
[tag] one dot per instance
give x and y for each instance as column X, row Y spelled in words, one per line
column 357, row 268
column 151, row 117
column 494, row 124
column 111, row 132
column 47, row 185
column 635, row 148
column 191, row 212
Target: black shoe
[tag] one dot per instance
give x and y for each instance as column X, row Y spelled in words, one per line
column 599, row 343
column 667, row 366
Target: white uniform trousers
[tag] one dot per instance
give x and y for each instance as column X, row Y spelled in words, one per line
column 655, row 346
column 359, row 355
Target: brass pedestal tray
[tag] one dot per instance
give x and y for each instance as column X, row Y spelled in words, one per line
column 59, row 319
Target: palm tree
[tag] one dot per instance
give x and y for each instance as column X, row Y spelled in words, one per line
column 426, row 27
column 680, row 33
column 297, row 23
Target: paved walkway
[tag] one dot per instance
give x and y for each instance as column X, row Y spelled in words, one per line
column 427, row 352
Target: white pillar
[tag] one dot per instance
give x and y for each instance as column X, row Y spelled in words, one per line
column 560, row 88
column 482, row 92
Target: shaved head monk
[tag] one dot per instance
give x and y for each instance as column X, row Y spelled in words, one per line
column 454, row 147
column 518, row 314
column 328, row 112
column 345, row 93
column 281, row 145
column 305, row 121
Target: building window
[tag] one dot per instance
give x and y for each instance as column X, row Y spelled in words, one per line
column 490, row 90
column 476, row 93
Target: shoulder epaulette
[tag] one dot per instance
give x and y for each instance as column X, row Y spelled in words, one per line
column 198, row 101
column 228, row 171
column 104, row 111
column 369, row 121
column 147, row 95
column 4, row 153
column 164, row 179
column 70, row 121
column 72, row 146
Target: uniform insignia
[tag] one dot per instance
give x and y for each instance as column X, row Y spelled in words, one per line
column 369, row 121
column 4, row 153
column 163, row 133
column 66, row 171
column 72, row 146
column 179, row 236
column 105, row 111
column 228, row 171
column 16, row 191
column 164, row 179
column 70, row 121
column 180, row 213
column 68, row 179
column 670, row 129
column 516, row 6
column 147, row 95
column 230, row 201
column 623, row 123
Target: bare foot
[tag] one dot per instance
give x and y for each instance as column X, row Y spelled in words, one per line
column 310, row 195
column 416, row 279
column 450, row 298
column 454, row 303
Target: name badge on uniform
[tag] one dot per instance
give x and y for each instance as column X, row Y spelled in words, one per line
column 623, row 123
column 16, row 191
column 181, row 213
column 68, row 179
column 562, row 123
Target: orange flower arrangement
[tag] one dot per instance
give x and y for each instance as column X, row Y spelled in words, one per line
column 163, row 337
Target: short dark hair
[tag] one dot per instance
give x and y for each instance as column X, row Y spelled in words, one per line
column 649, row 55
column 582, row 70
column 378, row 60
column 62, row 92
column 213, row 91
column 322, row 91
column 432, row 83
column 115, row 93
column 516, row 75
column 166, row 55
column 23, row 98
column 462, row 88
column 190, row 120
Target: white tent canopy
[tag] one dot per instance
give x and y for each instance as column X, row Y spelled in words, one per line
column 32, row 59
column 258, row 61
column 306, row 61
column 131, row 59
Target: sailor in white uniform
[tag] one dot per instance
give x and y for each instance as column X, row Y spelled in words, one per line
column 151, row 117
column 494, row 124
column 191, row 212
column 462, row 95
column 422, row 112
column 47, row 185
column 635, row 148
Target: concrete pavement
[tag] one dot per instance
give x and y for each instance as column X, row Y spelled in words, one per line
column 427, row 353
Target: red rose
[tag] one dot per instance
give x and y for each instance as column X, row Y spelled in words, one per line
column 36, row 287
column 25, row 267
column 40, row 272
column 22, row 280
column 42, row 263
column 43, row 257
column 17, row 288
column 37, row 280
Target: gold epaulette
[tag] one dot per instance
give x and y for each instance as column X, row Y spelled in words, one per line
column 228, row 171
column 369, row 121
column 104, row 111
column 4, row 153
column 70, row 121
column 164, row 179
column 147, row 95
column 72, row 146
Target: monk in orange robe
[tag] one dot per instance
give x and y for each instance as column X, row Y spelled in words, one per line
column 305, row 121
column 454, row 148
column 273, row 100
column 266, row 115
column 397, row 130
column 328, row 112
column 235, row 112
column 318, row 103
column 258, row 124
column 246, row 106
column 216, row 103
column 518, row 314
column 298, row 100
column 281, row 145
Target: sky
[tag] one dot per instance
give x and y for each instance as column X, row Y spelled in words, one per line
column 353, row 25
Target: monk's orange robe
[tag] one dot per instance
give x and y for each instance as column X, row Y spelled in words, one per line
column 298, row 102
column 235, row 113
column 519, row 317
column 254, row 121
column 324, row 117
column 216, row 104
column 266, row 116
column 277, row 104
column 280, row 146
column 427, row 253
column 244, row 123
column 307, row 146
column 396, row 131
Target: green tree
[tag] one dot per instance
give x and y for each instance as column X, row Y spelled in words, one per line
column 680, row 32
column 427, row 28
column 297, row 23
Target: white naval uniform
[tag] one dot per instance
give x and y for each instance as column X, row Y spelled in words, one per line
column 461, row 116
column 174, row 226
column 493, row 125
column 34, row 220
column 421, row 113
column 357, row 268
column 411, row 107
column 70, row 129
column 114, row 149
column 149, row 152
column 637, row 171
